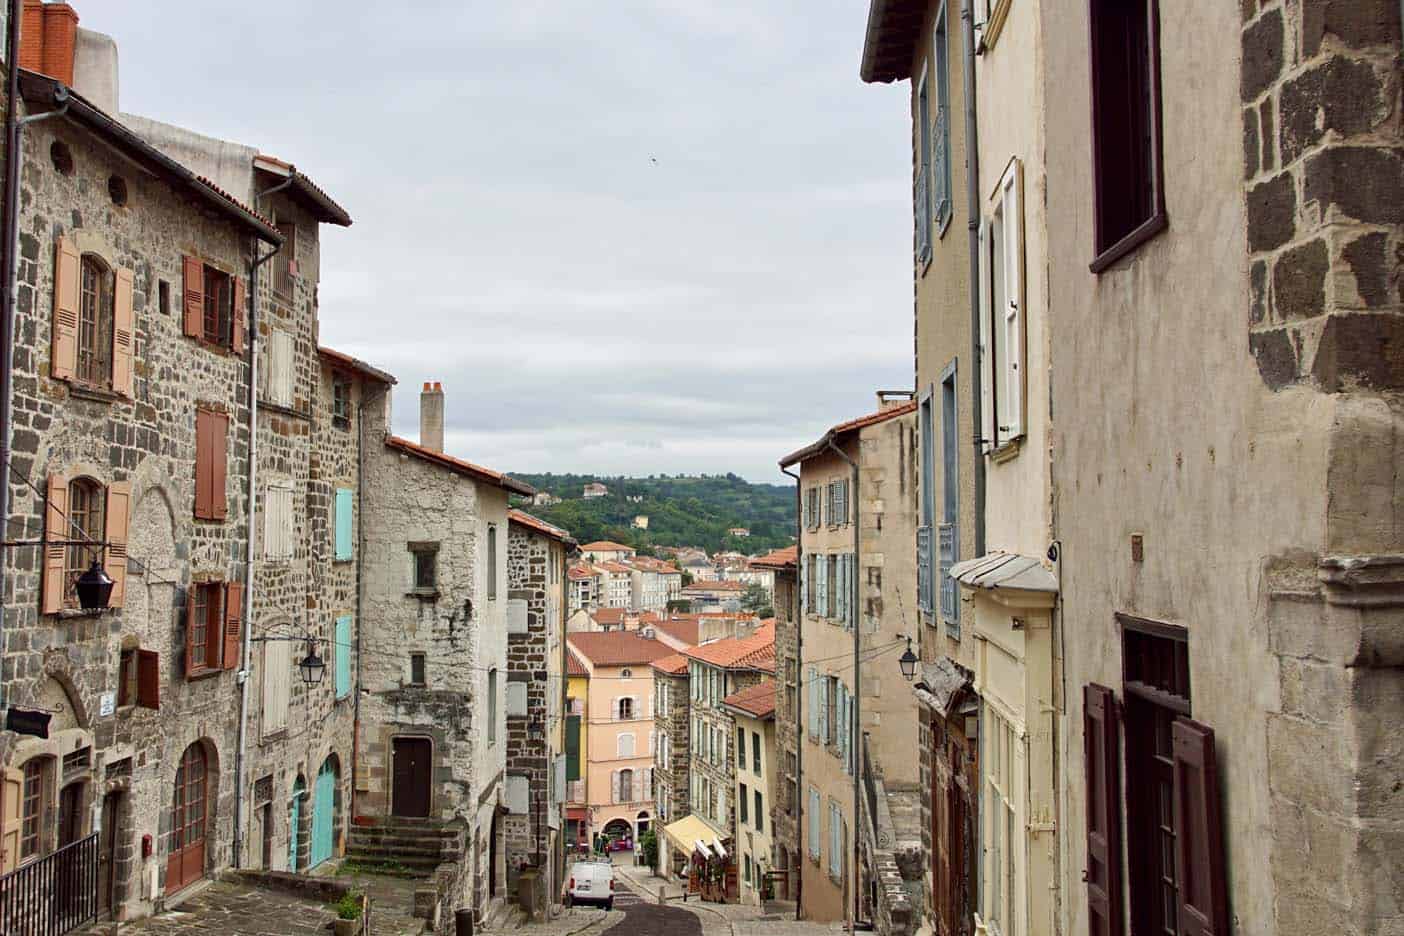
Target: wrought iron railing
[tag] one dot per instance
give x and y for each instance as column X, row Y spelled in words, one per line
column 870, row 790
column 924, row 597
column 52, row 895
column 950, row 595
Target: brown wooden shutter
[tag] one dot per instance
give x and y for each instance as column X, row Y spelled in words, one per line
column 149, row 679
column 204, row 468
column 119, row 513
column 194, row 290
column 55, row 528
column 67, row 272
column 123, row 334
column 219, row 440
column 11, row 817
column 1103, row 874
column 240, row 315
column 1199, row 844
column 190, row 662
column 233, row 614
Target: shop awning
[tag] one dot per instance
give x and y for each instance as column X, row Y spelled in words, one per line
column 940, row 685
column 691, row 834
column 1004, row 570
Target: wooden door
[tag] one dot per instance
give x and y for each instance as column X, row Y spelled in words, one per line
column 107, row 853
column 186, row 861
column 412, row 772
column 323, row 806
column 266, row 812
column 70, row 819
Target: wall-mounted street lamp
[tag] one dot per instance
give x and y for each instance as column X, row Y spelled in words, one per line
column 908, row 661
column 94, row 588
column 312, row 667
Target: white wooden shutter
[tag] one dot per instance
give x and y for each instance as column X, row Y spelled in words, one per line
column 277, row 673
column 614, row 786
column 518, row 794
column 516, row 698
column 1012, row 317
column 987, row 371
column 278, row 366
column 814, row 841
column 278, row 521
column 516, row 616
column 652, row 740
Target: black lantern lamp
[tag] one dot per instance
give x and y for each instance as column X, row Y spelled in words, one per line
column 312, row 666
column 94, row 588
column 908, row 662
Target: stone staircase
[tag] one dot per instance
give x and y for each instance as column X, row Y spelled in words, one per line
column 419, row 845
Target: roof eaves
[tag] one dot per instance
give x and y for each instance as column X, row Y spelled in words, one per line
column 890, row 39
column 506, row 482
column 326, row 206
column 357, row 365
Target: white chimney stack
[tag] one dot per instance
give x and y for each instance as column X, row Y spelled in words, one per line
column 431, row 416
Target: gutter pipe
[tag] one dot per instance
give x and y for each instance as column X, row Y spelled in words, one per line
column 798, row 604
column 243, row 676
column 972, row 198
column 855, row 730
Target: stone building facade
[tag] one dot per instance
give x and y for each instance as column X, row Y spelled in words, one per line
column 788, row 807
column 671, row 767
column 434, row 648
column 130, row 429
column 535, row 695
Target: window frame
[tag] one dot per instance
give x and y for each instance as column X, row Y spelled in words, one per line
column 492, row 563
column 77, row 559
column 423, row 551
column 103, row 311
column 1004, row 330
column 921, row 184
column 419, row 667
column 213, row 630
column 940, row 67
column 218, row 301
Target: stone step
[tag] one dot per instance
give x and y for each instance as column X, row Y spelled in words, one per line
column 446, row 837
column 414, row 862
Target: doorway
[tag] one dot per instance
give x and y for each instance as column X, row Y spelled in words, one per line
column 412, row 775
column 492, row 857
column 186, row 861
column 265, row 813
column 323, row 808
column 70, row 817
column 107, row 853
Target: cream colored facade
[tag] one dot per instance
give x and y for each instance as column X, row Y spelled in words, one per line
column 882, row 512
column 620, row 747
column 755, row 777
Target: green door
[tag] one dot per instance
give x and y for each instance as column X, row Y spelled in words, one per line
column 323, row 807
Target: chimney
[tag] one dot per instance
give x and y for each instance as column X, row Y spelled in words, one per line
column 431, row 416
column 48, row 37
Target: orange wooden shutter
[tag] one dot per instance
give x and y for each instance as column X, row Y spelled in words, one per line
column 233, row 612
column 1103, row 874
column 203, row 464
column 11, row 818
column 148, row 679
column 67, row 267
column 190, row 662
column 119, row 513
column 194, row 289
column 55, row 528
column 240, row 316
column 1199, row 843
column 219, row 464
column 123, row 334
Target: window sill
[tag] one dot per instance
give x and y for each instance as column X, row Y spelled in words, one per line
column 97, row 394
column 215, row 347
column 285, row 409
column 1007, row 451
column 280, row 735
column 423, row 594
column 74, row 614
column 202, row 673
column 1147, row 230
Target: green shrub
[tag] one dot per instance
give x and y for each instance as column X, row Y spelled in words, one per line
column 349, row 906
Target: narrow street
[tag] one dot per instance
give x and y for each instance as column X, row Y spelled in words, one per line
column 645, row 917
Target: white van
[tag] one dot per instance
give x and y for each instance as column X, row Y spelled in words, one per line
column 591, row 882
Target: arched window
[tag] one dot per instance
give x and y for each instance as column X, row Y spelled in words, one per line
column 87, row 511
column 95, row 317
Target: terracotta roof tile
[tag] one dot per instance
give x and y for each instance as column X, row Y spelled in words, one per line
column 779, row 559
column 606, row 546
column 617, row 648
column 356, row 364
column 862, row 422
column 674, row 665
column 539, row 525
column 754, row 652
column 757, row 700
column 573, row 665
column 680, row 629
column 460, row 466
column 715, row 586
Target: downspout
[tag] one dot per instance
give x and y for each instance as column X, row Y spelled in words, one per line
column 360, row 590
column 972, row 200
column 796, row 607
column 251, row 328
column 855, row 730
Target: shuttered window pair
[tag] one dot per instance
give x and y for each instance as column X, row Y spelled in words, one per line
column 213, row 626
column 94, row 325
column 82, row 508
column 211, row 464
column 278, row 538
column 1002, row 325
column 214, row 305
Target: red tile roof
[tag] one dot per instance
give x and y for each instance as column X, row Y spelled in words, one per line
column 754, row 652
column 680, row 629
column 606, row 546
column 862, row 422
column 357, row 365
column 329, row 210
column 459, row 465
column 613, row 616
column 580, row 573
column 674, row 665
column 573, row 665
column 617, row 648
column 757, row 701
column 715, row 586
column 616, row 567
column 786, row 558
column 539, row 525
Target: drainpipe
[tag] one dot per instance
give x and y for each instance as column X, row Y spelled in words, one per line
column 972, row 200
column 856, row 729
column 251, row 328
column 796, row 607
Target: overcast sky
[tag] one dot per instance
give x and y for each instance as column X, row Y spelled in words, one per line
column 628, row 236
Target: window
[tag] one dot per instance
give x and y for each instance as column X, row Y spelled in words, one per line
column 344, row 550
column 759, row 813
column 948, row 539
column 204, row 643
column 747, row 869
column 59, row 153
column 1002, row 321
column 32, row 807
column 424, row 568
column 218, row 325
column 277, row 685
column 492, row 706
column 624, row 786
column 278, row 538
column 87, row 501
column 95, row 314
column 626, row 674
column 1003, row 765
column 341, row 401
column 921, row 189
column 742, row 804
column 755, row 753
column 941, row 130
column 625, row 709
column 213, row 305
column 211, row 464
column 831, row 726
column 285, row 264
column 117, row 190
column 741, row 748
column 278, row 368
column 664, row 752
column 417, row 670
column 926, row 571
column 163, row 294
column 492, row 561
column 1128, row 181
column 719, row 746
column 343, row 656
column 138, row 679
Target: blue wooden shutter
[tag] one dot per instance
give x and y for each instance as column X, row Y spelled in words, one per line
column 343, row 656
column 343, row 524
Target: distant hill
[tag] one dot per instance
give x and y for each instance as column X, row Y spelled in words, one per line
column 682, row 510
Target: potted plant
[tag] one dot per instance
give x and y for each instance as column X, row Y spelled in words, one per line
column 348, row 915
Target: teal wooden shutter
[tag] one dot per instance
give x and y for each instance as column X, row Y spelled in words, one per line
column 343, row 656
column 343, row 524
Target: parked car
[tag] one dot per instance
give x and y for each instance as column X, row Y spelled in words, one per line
column 591, row 882
column 621, row 844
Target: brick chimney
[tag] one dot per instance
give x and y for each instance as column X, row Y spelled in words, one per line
column 48, row 37
column 431, row 416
